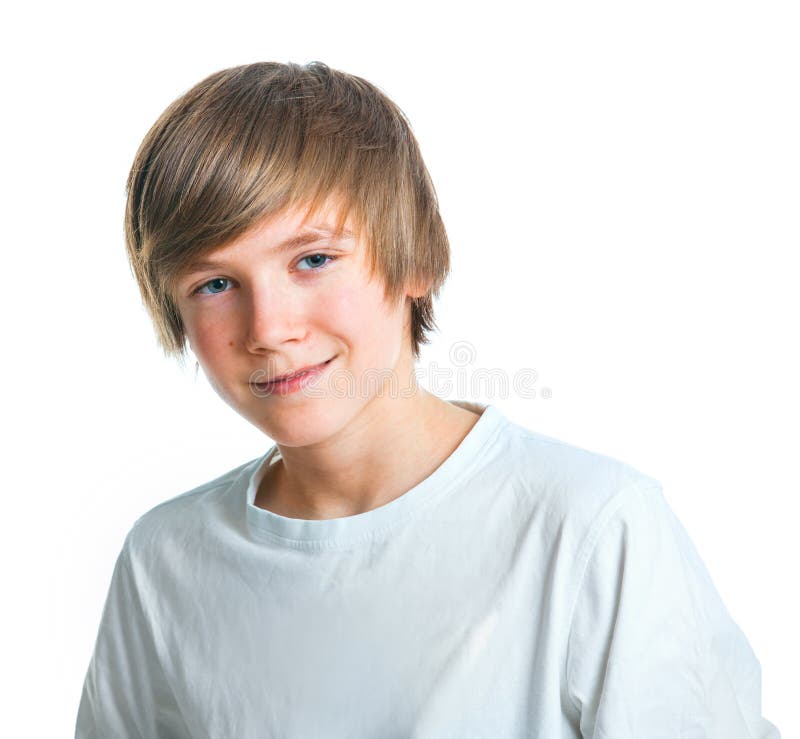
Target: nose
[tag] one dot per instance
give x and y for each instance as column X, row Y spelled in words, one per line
column 274, row 317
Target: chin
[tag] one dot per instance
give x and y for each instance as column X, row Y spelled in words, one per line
column 302, row 424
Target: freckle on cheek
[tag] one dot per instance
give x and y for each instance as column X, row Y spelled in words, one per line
column 230, row 343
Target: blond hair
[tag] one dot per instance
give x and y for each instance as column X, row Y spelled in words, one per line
column 251, row 141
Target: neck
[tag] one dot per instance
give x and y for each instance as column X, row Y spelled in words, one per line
column 392, row 445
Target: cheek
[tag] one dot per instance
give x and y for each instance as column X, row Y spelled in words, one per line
column 359, row 312
column 207, row 337
column 371, row 328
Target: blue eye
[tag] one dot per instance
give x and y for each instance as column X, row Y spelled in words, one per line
column 317, row 266
column 220, row 282
column 211, row 282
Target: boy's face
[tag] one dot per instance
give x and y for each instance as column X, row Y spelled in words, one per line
column 260, row 313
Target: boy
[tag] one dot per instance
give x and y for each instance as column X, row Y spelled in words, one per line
column 396, row 565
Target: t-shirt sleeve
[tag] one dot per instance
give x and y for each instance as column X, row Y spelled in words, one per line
column 125, row 693
column 652, row 650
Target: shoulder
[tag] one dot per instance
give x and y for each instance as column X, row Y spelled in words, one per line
column 579, row 489
column 181, row 520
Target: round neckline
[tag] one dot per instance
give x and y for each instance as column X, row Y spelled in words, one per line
column 348, row 530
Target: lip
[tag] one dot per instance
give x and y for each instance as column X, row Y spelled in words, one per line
column 292, row 375
column 293, row 381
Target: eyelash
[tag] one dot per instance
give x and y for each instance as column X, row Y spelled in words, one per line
column 329, row 259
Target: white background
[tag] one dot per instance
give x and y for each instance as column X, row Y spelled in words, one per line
column 620, row 184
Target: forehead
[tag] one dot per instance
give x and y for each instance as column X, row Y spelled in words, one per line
column 303, row 237
column 277, row 235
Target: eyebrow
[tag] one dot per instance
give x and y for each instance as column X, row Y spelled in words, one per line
column 309, row 236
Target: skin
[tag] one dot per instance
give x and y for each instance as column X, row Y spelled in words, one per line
column 346, row 445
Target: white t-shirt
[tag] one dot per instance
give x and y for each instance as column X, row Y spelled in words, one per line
column 526, row 588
